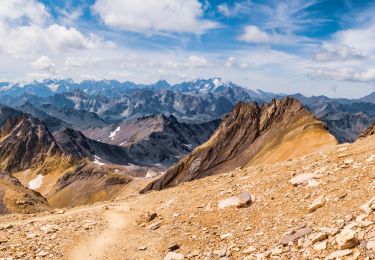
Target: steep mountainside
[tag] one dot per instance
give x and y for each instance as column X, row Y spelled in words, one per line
column 14, row 197
column 79, row 146
column 158, row 139
column 368, row 132
column 249, row 135
column 53, row 123
column 53, row 166
column 344, row 118
column 24, row 142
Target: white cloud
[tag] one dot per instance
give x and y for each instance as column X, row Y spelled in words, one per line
column 253, row 34
column 338, row 52
column 196, row 61
column 362, row 38
column 29, row 10
column 150, row 16
column 77, row 62
column 345, row 74
column 26, row 28
column 44, row 64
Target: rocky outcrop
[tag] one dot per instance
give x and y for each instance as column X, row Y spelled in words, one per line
column 24, row 141
column 74, row 143
column 252, row 134
column 368, row 132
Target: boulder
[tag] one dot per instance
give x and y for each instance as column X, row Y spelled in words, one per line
column 295, row 234
column 317, row 203
column 242, row 200
column 301, row 179
column 347, row 239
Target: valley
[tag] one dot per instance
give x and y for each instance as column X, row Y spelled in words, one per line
column 226, row 174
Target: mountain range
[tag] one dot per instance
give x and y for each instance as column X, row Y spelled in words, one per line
column 93, row 103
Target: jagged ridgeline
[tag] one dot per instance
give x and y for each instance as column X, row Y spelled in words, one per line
column 249, row 135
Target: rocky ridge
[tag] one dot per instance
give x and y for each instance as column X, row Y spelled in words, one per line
column 252, row 134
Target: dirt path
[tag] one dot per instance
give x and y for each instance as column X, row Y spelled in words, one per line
column 105, row 245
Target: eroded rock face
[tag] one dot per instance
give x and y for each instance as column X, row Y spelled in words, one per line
column 251, row 134
column 368, row 132
column 25, row 141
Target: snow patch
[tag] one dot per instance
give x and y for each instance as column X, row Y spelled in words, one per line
column 113, row 134
column 36, row 183
column 97, row 160
column 217, row 82
column 53, row 87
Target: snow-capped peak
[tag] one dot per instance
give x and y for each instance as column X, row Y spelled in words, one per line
column 217, row 82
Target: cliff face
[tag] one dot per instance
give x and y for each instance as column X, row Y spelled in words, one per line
column 252, row 134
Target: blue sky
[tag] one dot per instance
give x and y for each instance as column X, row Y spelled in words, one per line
column 309, row 46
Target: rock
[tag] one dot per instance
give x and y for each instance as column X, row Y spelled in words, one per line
column 43, row 253
column 142, row 248
column 154, row 226
column 174, row 256
column 320, row 246
column 221, row 252
column 244, row 199
column 32, row 235
column 295, row 235
column 347, row 239
column 348, row 161
column 225, row 236
column 317, row 203
column 193, row 254
column 340, row 253
column 49, row 229
column 276, row 251
column 60, row 211
column 173, row 247
column 370, row 245
column 369, row 206
column 249, row 250
column 317, row 237
column 146, row 217
column 304, row 178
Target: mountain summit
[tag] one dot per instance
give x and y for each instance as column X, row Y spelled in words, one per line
column 252, row 134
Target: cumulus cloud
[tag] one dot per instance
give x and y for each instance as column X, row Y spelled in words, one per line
column 338, row 53
column 150, row 16
column 253, row 34
column 44, row 64
column 360, row 38
column 345, row 74
column 26, row 28
column 29, row 10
